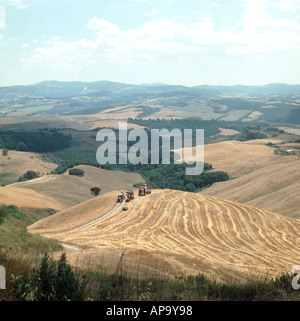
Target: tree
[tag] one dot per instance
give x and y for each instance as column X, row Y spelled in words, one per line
column 95, row 191
column 28, row 176
column 4, row 152
column 76, row 171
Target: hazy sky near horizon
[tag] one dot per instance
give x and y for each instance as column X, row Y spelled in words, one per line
column 187, row 42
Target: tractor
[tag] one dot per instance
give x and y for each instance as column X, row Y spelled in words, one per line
column 121, row 197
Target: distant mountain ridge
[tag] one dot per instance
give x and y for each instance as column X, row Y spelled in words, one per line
column 276, row 103
column 60, row 89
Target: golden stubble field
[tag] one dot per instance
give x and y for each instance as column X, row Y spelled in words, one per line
column 258, row 176
column 177, row 233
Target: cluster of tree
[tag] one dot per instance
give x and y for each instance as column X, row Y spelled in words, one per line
column 257, row 132
column 160, row 175
column 76, row 171
column 211, row 127
column 75, row 161
column 28, row 176
column 174, row 177
column 43, row 140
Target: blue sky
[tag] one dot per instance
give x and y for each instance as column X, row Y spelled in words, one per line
column 187, row 42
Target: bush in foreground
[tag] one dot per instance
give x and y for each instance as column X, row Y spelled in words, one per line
column 53, row 281
column 57, row 281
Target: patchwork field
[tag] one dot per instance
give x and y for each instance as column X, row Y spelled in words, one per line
column 177, row 233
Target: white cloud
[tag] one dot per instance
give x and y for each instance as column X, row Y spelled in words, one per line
column 261, row 33
column 289, row 5
column 164, row 39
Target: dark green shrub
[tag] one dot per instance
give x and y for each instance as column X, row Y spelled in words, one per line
column 28, row 176
column 76, row 172
column 53, row 281
column 3, row 212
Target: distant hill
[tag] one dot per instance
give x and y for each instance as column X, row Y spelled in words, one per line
column 58, row 89
column 271, row 102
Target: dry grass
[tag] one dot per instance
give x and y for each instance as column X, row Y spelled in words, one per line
column 71, row 190
column 261, row 178
column 17, row 163
column 22, row 197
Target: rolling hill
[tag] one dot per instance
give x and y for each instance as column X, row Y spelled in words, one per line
column 260, row 177
column 23, row 197
column 71, row 190
column 178, row 233
column 272, row 102
column 16, row 163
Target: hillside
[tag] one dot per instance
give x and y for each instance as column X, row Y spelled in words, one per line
column 259, row 176
column 22, row 197
column 16, row 163
column 269, row 182
column 107, row 100
column 178, row 233
column 71, row 190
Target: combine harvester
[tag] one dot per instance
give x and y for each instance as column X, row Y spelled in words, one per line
column 143, row 190
column 129, row 195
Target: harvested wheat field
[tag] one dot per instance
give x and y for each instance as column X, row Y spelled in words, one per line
column 177, row 233
column 22, row 197
column 232, row 152
column 271, row 183
column 259, row 177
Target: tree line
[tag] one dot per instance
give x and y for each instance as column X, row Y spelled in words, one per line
column 43, row 140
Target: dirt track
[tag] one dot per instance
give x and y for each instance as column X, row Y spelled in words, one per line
column 180, row 233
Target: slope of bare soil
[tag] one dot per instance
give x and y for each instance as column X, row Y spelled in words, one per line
column 71, row 190
column 179, row 233
column 22, row 197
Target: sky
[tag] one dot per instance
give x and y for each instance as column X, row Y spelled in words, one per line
column 180, row 42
